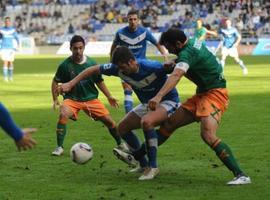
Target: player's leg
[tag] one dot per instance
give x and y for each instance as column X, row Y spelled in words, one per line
column 126, row 126
column 235, row 56
column 10, row 70
column 210, row 109
column 5, row 70
column 67, row 110
column 224, row 54
column 96, row 109
column 128, row 100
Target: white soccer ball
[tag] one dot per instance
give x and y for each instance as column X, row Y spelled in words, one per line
column 81, row 153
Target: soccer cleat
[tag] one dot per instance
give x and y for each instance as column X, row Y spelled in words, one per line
column 149, row 173
column 137, row 169
column 123, row 147
column 240, row 180
column 125, row 157
column 245, row 71
column 58, row 151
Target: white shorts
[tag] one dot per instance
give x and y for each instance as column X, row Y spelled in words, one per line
column 8, row 55
column 231, row 52
column 170, row 106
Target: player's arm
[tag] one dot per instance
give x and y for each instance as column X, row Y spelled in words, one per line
column 237, row 42
column 66, row 87
column 163, row 52
column 102, row 86
column 214, row 33
column 22, row 138
column 55, row 94
column 17, row 39
column 178, row 72
column 114, row 45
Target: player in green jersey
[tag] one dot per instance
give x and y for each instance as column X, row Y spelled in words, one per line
column 201, row 32
column 200, row 66
column 84, row 96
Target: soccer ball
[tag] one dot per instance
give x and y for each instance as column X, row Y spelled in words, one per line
column 81, row 153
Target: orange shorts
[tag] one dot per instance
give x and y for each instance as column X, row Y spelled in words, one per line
column 213, row 102
column 93, row 108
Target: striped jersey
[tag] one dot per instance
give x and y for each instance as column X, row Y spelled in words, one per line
column 136, row 41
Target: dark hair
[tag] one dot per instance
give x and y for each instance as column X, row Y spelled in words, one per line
column 133, row 12
column 75, row 39
column 122, row 54
column 7, row 18
column 172, row 35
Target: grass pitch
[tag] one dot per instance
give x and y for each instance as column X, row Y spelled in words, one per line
column 189, row 169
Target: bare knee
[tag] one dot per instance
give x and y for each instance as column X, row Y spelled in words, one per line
column 146, row 123
column 108, row 122
column 208, row 136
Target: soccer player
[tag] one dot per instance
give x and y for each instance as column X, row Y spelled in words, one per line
column 200, row 66
column 84, row 96
column 231, row 39
column 201, row 32
column 22, row 137
column 8, row 35
column 134, row 37
column 146, row 78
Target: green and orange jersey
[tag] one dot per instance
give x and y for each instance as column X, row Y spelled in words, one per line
column 204, row 68
column 85, row 90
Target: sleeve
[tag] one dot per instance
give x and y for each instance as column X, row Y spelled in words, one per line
column 184, row 57
column 59, row 73
column 9, row 125
column 109, row 69
column 150, row 37
column 116, row 38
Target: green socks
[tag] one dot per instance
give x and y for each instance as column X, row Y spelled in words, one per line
column 60, row 134
column 224, row 153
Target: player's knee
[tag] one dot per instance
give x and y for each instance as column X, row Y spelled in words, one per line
column 122, row 128
column 146, row 123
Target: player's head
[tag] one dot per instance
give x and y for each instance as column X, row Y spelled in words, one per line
column 77, row 45
column 174, row 40
column 133, row 19
column 7, row 21
column 125, row 60
column 199, row 23
column 228, row 23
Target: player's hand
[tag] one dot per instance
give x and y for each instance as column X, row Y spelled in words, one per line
column 169, row 65
column 153, row 103
column 56, row 104
column 113, row 102
column 64, row 87
column 27, row 142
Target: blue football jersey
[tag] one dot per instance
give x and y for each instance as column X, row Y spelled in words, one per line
column 230, row 36
column 136, row 41
column 147, row 82
column 8, row 35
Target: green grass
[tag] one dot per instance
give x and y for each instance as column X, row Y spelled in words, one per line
column 189, row 169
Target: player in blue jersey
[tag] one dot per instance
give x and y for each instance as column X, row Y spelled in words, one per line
column 146, row 78
column 8, row 35
column 134, row 37
column 231, row 39
column 22, row 138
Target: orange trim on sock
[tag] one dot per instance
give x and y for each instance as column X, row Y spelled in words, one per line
column 63, row 121
column 215, row 143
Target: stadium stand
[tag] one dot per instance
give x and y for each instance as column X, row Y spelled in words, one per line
column 54, row 21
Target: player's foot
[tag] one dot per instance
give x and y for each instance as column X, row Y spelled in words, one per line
column 58, row 151
column 245, row 71
column 137, row 169
column 6, row 79
column 10, row 79
column 125, row 157
column 123, row 147
column 240, row 180
column 149, row 174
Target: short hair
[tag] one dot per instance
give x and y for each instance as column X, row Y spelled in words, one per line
column 7, row 18
column 75, row 39
column 172, row 35
column 122, row 54
column 133, row 12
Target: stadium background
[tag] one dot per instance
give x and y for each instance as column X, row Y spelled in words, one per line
column 189, row 169
column 49, row 23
